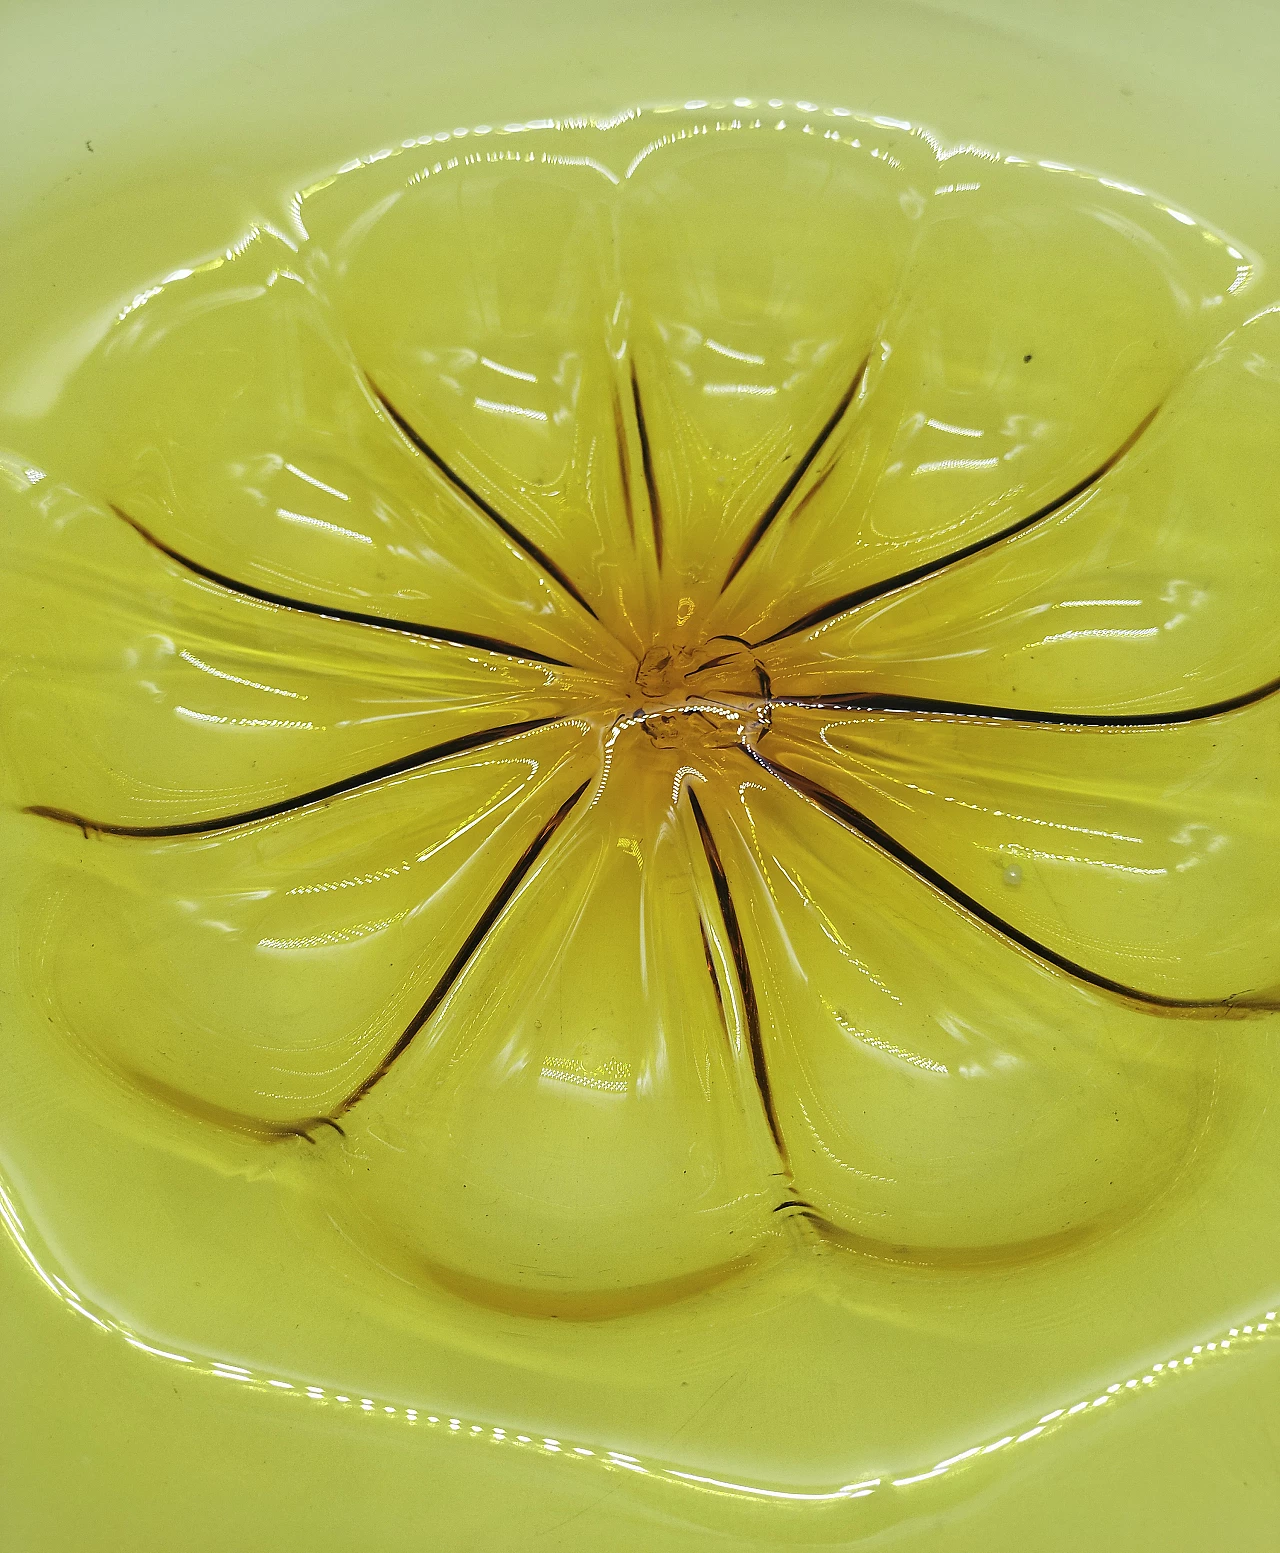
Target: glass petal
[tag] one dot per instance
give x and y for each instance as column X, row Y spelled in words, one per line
column 746, row 330
column 570, row 1125
column 144, row 695
column 1142, row 854
column 240, row 430
column 1040, row 324
column 1155, row 593
column 498, row 474
column 939, row 1093
column 481, row 296
column 271, row 967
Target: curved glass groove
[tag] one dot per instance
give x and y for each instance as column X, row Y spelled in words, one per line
column 646, row 464
column 665, row 1038
column 742, row 966
column 329, row 611
column 537, row 556
column 492, row 911
column 317, row 795
column 931, row 706
column 845, row 814
column 903, row 580
column 801, row 469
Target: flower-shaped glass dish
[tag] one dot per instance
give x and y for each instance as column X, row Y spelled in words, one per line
column 633, row 713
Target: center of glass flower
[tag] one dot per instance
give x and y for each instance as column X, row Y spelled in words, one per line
column 429, row 815
column 711, row 694
column 722, row 665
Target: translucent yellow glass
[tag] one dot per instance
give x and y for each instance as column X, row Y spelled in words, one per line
column 641, row 757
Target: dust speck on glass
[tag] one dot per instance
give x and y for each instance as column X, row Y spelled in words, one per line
column 646, row 691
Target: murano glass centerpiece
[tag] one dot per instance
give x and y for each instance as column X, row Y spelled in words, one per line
column 618, row 709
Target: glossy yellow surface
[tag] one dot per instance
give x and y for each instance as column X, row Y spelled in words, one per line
column 640, row 787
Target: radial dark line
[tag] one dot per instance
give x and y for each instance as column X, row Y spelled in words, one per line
column 276, row 1130
column 331, row 611
column 765, row 521
column 424, row 757
column 470, row 944
column 646, row 460
column 813, row 490
column 762, row 676
column 711, row 663
column 932, row 707
column 914, row 574
column 715, row 979
column 714, row 663
column 751, row 1011
column 853, row 819
column 534, row 552
column 725, row 657
column 624, row 461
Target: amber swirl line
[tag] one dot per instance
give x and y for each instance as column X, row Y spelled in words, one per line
column 757, row 668
column 534, row 552
column 624, row 462
column 931, row 706
column 646, row 463
column 484, row 923
column 914, row 574
column 433, row 754
column 766, row 519
column 714, row 975
column 332, row 611
column 854, row 820
column 742, row 968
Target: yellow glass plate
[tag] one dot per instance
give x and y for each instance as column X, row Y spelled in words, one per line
column 639, row 793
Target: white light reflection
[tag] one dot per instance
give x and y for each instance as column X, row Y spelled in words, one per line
column 956, row 431
column 596, row 1456
column 678, row 781
column 852, row 1491
column 733, row 355
column 1114, row 634
column 746, row 390
column 887, row 1047
column 497, row 366
column 1123, row 188
column 241, row 722
column 319, row 484
column 496, row 407
column 1034, row 853
column 237, row 679
column 1099, row 604
column 332, row 528
column 936, row 464
column 160, row 1353
column 613, row 1076
column 336, row 936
